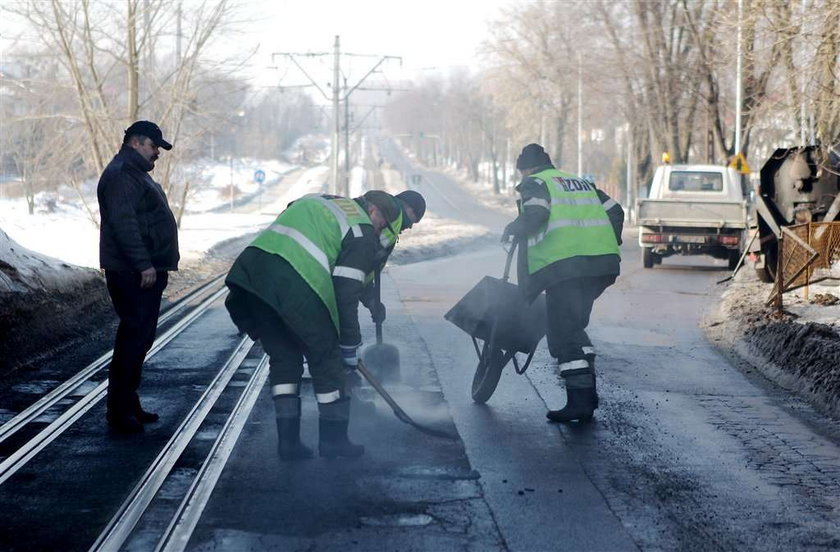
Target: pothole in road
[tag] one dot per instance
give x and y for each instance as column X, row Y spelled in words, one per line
column 398, row 520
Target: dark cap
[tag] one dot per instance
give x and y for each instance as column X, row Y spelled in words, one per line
column 533, row 155
column 149, row 130
column 414, row 200
column 386, row 203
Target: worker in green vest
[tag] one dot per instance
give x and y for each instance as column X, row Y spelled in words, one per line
column 412, row 208
column 296, row 288
column 568, row 233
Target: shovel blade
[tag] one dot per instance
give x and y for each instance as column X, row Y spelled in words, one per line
column 383, row 360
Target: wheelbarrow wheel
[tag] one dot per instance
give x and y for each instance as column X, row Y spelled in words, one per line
column 488, row 372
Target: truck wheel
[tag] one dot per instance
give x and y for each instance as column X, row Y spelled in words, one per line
column 647, row 257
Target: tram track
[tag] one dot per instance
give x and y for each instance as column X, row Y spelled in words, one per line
column 206, row 295
column 207, row 470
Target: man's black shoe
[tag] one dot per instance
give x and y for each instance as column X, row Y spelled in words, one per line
column 124, row 424
column 146, row 417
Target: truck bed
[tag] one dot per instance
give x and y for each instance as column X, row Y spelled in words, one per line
column 692, row 213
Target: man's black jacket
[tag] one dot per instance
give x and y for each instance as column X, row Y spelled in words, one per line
column 138, row 230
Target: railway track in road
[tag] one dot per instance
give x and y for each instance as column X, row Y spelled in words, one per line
column 164, row 489
column 251, row 365
column 93, row 374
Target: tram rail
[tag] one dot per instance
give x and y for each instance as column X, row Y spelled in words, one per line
column 206, row 294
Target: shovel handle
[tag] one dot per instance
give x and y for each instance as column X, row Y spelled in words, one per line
column 377, row 292
column 399, row 412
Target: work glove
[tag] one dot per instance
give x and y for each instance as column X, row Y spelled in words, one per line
column 377, row 312
column 510, row 232
column 348, row 356
column 352, row 381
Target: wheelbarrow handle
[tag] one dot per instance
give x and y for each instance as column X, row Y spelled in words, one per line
column 506, row 275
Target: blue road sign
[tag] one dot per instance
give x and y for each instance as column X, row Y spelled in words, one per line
column 259, row 176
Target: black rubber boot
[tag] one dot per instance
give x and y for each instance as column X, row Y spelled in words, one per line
column 590, row 358
column 289, row 447
column 581, row 398
column 333, row 423
column 580, row 405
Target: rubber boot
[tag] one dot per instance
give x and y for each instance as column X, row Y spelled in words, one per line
column 333, row 423
column 590, row 358
column 581, row 399
column 289, row 447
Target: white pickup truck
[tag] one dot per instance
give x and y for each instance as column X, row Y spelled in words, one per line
column 693, row 210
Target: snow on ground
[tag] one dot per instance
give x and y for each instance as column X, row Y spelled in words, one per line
column 66, row 233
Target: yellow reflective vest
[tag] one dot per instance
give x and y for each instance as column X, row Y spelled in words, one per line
column 577, row 224
column 308, row 234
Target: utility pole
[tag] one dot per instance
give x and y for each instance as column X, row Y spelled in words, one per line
column 336, row 99
column 347, row 92
column 346, row 142
column 738, row 85
column 336, row 126
column 580, row 118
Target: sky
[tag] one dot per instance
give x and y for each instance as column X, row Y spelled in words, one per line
column 429, row 35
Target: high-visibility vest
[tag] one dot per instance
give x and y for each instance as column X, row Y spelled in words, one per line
column 308, row 234
column 577, row 223
column 388, row 240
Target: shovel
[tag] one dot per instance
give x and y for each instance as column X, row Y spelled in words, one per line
column 399, row 412
column 382, row 359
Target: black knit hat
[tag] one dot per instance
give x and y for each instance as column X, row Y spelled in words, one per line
column 533, row 155
column 414, row 200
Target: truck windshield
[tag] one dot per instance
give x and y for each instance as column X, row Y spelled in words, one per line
column 691, row 181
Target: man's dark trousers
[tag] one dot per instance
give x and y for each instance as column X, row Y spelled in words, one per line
column 569, row 305
column 138, row 311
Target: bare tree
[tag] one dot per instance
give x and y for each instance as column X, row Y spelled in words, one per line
column 100, row 47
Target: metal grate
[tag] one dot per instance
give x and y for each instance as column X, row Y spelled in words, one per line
column 808, row 253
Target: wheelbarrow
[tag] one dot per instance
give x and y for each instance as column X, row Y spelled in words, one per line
column 501, row 322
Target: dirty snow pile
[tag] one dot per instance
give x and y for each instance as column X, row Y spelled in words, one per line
column 798, row 349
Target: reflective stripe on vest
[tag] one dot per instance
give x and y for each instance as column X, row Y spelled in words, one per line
column 577, row 223
column 308, row 234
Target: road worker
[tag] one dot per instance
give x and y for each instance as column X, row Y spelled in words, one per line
column 412, row 208
column 568, row 234
column 296, row 288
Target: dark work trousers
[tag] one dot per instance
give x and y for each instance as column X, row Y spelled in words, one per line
column 301, row 332
column 569, row 305
column 138, row 311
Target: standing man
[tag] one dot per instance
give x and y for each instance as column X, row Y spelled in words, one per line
column 296, row 288
column 568, row 234
column 138, row 245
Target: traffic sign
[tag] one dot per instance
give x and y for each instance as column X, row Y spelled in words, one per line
column 259, row 176
column 739, row 163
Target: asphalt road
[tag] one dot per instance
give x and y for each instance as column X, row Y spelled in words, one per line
column 687, row 452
